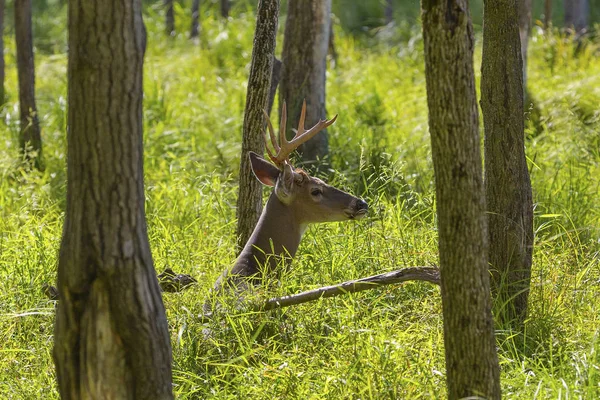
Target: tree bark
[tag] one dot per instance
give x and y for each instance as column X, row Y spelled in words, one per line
column 195, row 29
column 2, row 93
column 225, row 8
column 169, row 17
column 471, row 359
column 305, row 45
column 111, row 332
column 30, row 139
column 577, row 15
column 524, row 13
column 249, row 203
column 507, row 184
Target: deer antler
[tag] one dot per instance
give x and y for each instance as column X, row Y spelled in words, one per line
column 285, row 147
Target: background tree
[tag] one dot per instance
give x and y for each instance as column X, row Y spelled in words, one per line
column 249, row 203
column 195, row 29
column 30, row 139
column 507, row 184
column 547, row 14
column 111, row 332
column 577, row 14
column 169, row 17
column 471, row 359
column 305, row 45
column 524, row 13
column 225, row 8
column 388, row 12
column 275, row 78
column 2, row 94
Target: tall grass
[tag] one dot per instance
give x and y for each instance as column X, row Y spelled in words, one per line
column 385, row 343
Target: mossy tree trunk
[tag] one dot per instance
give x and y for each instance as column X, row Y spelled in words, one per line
column 111, row 332
column 249, row 203
column 507, row 183
column 195, row 29
column 169, row 17
column 471, row 359
column 30, row 138
column 305, row 45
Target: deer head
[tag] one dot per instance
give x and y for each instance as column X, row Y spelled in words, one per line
column 311, row 199
column 298, row 200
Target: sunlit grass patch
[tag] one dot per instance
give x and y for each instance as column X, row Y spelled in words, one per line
column 384, row 343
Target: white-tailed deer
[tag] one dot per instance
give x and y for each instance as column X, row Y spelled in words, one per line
column 297, row 200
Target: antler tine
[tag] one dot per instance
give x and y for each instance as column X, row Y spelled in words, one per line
column 282, row 127
column 302, row 135
column 276, row 147
column 285, row 147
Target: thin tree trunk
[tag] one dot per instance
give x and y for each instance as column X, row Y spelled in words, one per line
column 30, row 139
column 331, row 46
column 111, row 332
column 249, row 203
column 577, row 15
column 2, row 93
column 195, row 29
column 275, row 78
column 225, row 8
column 547, row 14
column 304, row 58
column 169, row 17
column 524, row 13
column 507, row 184
column 471, row 359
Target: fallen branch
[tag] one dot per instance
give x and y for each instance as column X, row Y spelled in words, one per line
column 428, row 274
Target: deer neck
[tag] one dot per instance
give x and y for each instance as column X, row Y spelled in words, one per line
column 277, row 234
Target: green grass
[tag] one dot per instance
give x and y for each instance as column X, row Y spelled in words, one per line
column 384, row 343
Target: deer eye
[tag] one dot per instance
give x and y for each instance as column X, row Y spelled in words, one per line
column 316, row 192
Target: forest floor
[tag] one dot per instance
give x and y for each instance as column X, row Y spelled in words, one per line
column 384, row 343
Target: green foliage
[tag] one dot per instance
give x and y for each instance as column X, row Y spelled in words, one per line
column 384, row 343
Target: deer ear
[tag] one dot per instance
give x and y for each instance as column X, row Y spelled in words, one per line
column 264, row 171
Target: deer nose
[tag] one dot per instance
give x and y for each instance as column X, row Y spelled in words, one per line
column 361, row 205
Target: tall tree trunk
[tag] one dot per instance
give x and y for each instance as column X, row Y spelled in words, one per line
column 471, row 359
column 524, row 13
column 577, row 14
column 225, row 8
column 507, row 184
column 249, row 203
column 304, row 58
column 30, row 139
column 2, row 93
column 195, row 29
column 111, row 332
column 169, row 17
